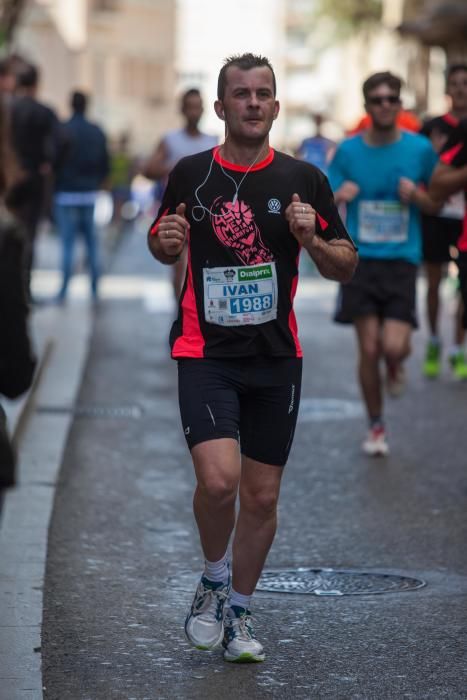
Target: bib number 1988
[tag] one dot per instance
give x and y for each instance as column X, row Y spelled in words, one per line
column 246, row 304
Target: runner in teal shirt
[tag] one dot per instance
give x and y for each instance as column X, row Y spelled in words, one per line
column 381, row 176
column 382, row 226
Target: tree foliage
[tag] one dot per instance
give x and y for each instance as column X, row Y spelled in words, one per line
column 350, row 15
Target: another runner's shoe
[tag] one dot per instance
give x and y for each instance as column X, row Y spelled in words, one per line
column 395, row 380
column 375, row 444
column 432, row 363
column 204, row 625
column 240, row 643
column 459, row 365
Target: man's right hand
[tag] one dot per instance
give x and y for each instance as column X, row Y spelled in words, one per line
column 172, row 231
column 347, row 191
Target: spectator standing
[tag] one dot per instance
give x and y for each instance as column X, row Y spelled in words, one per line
column 35, row 141
column 83, row 168
column 17, row 362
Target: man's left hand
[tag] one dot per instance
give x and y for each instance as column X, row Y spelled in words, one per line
column 302, row 220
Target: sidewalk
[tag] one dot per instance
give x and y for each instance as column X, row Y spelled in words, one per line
column 61, row 339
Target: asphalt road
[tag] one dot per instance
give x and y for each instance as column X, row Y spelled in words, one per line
column 124, row 557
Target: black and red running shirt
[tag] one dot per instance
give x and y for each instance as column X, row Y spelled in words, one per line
column 445, row 124
column 237, row 219
column 454, row 154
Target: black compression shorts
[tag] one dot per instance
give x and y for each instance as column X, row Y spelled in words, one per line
column 252, row 399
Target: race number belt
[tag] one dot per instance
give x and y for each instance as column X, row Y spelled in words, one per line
column 383, row 222
column 240, row 296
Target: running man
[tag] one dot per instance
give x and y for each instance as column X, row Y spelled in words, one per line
column 377, row 175
column 451, row 176
column 177, row 144
column 317, row 149
column 441, row 233
column 245, row 211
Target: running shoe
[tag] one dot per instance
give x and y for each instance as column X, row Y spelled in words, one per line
column 395, row 380
column 459, row 365
column 240, row 644
column 432, row 363
column 375, row 444
column 204, row 625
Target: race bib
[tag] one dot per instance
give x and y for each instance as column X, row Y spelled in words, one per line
column 454, row 207
column 240, row 296
column 383, row 222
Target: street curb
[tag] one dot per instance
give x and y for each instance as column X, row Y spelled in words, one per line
column 27, row 508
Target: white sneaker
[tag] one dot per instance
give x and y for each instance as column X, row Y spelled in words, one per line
column 375, row 444
column 240, row 643
column 204, row 625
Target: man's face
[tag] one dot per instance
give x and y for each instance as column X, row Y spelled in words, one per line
column 192, row 110
column 457, row 90
column 383, row 105
column 249, row 106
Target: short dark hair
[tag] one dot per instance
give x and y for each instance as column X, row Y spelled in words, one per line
column 455, row 68
column 245, row 61
column 27, row 76
column 384, row 78
column 192, row 92
column 78, row 102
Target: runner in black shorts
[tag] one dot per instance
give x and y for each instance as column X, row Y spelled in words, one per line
column 245, row 211
column 441, row 232
column 451, row 176
column 378, row 175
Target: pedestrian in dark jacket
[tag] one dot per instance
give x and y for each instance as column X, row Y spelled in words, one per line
column 35, row 139
column 17, row 361
column 82, row 169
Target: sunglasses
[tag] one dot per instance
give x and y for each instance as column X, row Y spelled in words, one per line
column 378, row 101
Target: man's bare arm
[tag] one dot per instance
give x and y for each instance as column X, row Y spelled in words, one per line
column 447, row 180
column 156, row 167
column 335, row 259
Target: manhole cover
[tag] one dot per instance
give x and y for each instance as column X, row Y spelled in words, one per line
column 328, row 409
column 93, row 411
column 331, row 582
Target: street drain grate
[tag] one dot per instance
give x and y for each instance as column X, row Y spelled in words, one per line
column 332, row 582
column 94, row 411
column 328, row 409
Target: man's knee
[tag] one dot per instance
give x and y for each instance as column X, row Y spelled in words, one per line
column 396, row 350
column 370, row 350
column 260, row 502
column 218, row 490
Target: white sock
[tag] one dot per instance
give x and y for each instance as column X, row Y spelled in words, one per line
column 217, row 571
column 238, row 599
column 455, row 350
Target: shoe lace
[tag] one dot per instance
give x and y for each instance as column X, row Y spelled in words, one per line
column 242, row 627
column 210, row 600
